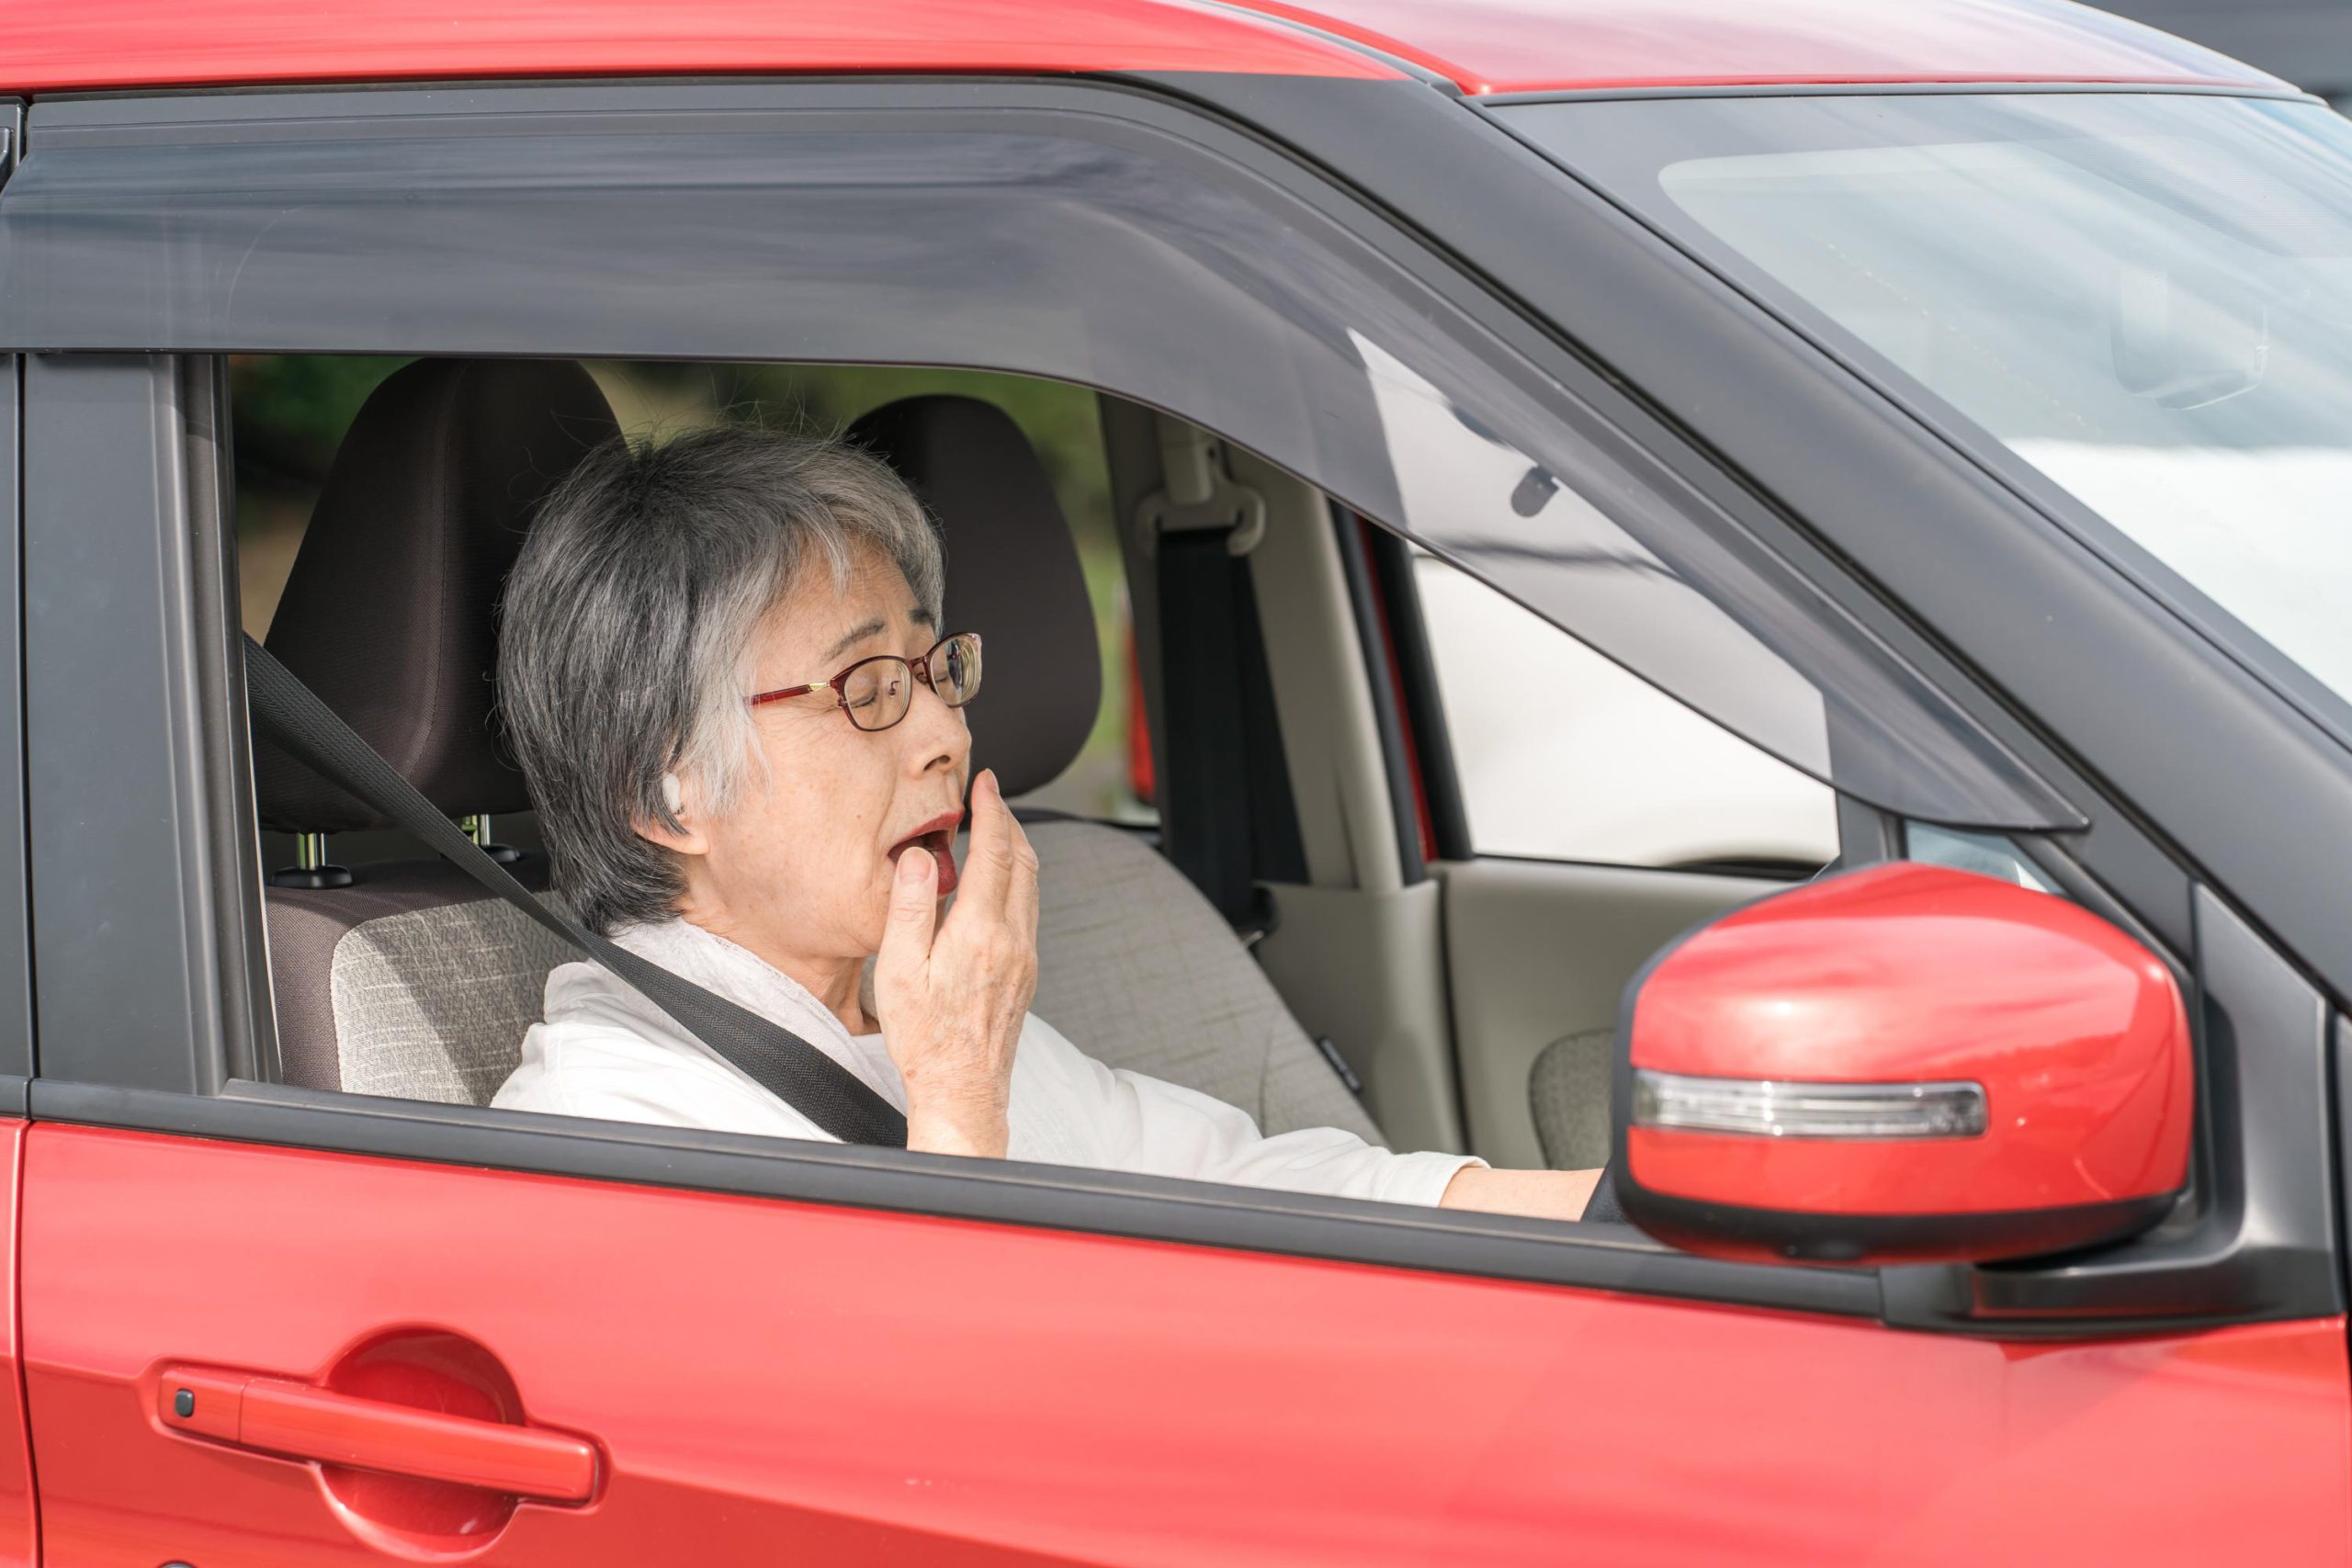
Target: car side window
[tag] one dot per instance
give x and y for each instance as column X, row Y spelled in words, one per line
column 1564, row 755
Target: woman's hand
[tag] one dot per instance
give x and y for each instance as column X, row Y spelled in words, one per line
column 952, row 995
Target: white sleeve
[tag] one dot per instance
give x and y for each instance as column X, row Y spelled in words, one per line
column 1155, row 1128
column 614, row 1074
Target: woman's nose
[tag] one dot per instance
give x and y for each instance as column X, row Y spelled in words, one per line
column 936, row 734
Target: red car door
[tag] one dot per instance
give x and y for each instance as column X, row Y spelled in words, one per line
column 765, row 1380
column 20, row 1535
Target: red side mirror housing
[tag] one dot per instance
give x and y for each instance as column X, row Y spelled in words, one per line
column 1903, row 1064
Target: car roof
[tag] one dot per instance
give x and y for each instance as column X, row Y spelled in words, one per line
column 1481, row 46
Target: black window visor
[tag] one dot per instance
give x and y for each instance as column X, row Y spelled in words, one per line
column 1156, row 256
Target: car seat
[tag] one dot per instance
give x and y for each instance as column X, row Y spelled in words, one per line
column 405, row 978
column 1567, row 1091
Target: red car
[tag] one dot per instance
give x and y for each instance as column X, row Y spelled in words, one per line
column 1948, row 404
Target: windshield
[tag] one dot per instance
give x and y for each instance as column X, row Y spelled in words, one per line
column 2146, row 298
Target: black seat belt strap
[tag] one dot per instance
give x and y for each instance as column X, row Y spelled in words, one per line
column 776, row 1059
column 1205, row 778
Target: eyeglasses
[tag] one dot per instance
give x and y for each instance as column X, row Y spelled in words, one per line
column 876, row 692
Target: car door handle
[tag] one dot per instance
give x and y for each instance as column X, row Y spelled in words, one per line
column 298, row 1420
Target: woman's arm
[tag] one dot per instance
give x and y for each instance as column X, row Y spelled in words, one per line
column 1544, row 1194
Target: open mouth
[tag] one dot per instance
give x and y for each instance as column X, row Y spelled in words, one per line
column 935, row 838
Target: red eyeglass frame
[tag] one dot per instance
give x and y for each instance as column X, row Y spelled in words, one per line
column 920, row 668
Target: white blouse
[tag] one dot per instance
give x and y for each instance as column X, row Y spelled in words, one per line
column 604, row 1051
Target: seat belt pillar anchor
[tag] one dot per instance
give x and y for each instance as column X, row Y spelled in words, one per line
column 1197, row 494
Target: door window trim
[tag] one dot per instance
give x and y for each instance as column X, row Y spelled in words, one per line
column 1052, row 1197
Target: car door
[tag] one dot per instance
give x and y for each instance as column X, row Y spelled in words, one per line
column 632, row 1344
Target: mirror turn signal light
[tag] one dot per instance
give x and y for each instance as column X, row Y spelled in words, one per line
column 1770, row 1108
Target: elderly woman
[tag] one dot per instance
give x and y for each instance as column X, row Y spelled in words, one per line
column 723, row 667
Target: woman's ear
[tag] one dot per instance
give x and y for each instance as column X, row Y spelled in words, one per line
column 687, row 838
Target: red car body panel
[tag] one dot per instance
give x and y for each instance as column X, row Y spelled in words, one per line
column 120, row 43
column 1484, row 45
column 901, row 1387
column 19, row 1532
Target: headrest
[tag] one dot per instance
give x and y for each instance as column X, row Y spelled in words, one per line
column 391, row 612
column 1013, row 576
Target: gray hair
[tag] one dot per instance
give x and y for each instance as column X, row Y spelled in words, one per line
column 625, row 645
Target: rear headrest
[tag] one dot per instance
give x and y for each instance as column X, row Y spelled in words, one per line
column 1013, row 576
column 391, row 612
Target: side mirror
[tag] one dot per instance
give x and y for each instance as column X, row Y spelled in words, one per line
column 1901, row 1063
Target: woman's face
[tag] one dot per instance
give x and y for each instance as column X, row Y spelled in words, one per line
column 801, row 863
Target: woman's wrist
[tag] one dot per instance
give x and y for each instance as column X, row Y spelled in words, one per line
column 1541, row 1194
column 975, row 1131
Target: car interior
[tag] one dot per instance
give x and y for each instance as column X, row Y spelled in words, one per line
column 1375, row 956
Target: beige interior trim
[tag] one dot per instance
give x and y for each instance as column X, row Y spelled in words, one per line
column 1361, row 970
column 1332, row 739
column 1358, row 957
column 1540, row 950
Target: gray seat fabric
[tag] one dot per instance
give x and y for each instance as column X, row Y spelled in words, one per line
column 411, row 983
column 1135, row 966
column 1569, row 1090
column 434, row 1002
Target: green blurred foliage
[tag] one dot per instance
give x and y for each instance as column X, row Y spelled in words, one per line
column 292, row 410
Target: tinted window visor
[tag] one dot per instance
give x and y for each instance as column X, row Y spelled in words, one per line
column 2148, row 299
column 1170, row 265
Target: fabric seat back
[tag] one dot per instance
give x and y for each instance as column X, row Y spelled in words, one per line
column 1568, row 1089
column 412, row 981
column 1137, row 969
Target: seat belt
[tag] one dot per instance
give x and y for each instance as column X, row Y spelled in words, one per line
column 776, row 1059
column 1205, row 524
column 1205, row 778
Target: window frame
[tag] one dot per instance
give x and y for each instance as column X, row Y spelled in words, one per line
column 200, row 1084
column 16, row 892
